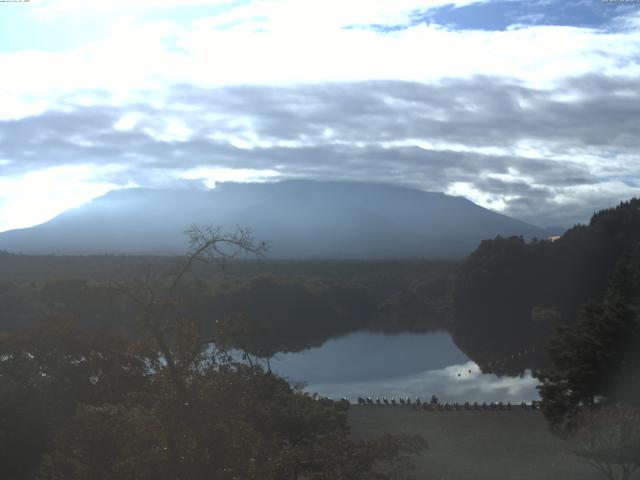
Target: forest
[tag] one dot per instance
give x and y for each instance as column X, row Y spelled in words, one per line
column 512, row 295
column 578, row 298
column 120, row 366
column 303, row 303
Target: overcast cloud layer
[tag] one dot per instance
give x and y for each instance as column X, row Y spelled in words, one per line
column 528, row 108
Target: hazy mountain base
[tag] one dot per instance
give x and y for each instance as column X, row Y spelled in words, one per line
column 298, row 219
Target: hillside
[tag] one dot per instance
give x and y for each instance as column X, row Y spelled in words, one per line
column 511, row 295
column 299, row 219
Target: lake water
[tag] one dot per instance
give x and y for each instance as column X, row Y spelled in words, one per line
column 404, row 365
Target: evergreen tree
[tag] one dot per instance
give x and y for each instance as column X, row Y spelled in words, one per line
column 597, row 360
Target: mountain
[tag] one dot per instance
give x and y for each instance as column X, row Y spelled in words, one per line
column 298, row 218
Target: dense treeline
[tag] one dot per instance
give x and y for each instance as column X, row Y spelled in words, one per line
column 573, row 307
column 19, row 268
column 596, row 360
column 591, row 389
column 511, row 295
column 300, row 304
column 287, row 313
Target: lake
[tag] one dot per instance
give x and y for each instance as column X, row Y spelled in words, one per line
column 403, row 365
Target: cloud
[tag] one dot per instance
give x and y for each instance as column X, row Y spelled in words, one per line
column 544, row 155
column 539, row 122
column 39, row 195
column 46, row 10
column 500, row 15
column 210, row 176
column 302, row 41
column 444, row 383
column 270, row 13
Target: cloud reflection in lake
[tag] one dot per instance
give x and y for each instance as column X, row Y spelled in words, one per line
column 405, row 365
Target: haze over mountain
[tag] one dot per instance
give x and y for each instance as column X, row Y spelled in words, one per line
column 298, row 219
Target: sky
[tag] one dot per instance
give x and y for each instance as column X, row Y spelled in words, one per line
column 528, row 107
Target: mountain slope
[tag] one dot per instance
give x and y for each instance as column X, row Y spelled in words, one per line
column 299, row 219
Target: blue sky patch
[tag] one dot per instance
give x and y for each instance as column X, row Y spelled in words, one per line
column 502, row 14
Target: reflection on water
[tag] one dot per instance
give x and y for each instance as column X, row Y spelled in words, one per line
column 405, row 365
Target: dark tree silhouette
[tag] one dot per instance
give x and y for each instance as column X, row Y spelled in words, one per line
column 511, row 295
column 591, row 393
column 168, row 403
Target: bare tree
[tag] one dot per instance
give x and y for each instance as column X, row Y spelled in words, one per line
column 178, row 345
column 170, row 332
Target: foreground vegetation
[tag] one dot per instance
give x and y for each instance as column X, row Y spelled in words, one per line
column 167, row 402
column 79, row 406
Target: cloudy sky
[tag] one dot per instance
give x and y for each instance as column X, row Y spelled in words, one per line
column 527, row 107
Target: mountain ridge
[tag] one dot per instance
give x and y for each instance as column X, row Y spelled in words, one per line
column 298, row 218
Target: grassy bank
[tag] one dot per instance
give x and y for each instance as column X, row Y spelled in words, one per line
column 476, row 445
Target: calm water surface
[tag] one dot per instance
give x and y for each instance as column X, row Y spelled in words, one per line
column 404, row 365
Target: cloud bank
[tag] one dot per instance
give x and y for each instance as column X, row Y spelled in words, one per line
column 534, row 115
